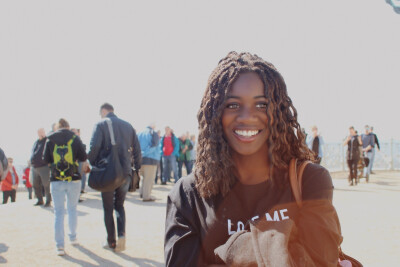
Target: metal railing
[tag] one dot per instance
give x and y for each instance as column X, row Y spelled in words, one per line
column 388, row 158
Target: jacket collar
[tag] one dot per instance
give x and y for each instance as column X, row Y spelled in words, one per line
column 111, row 115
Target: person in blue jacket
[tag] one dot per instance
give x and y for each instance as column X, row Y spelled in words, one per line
column 149, row 144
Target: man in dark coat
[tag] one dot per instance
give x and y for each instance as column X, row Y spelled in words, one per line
column 129, row 147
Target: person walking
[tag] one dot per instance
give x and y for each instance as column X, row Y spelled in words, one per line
column 63, row 151
column 368, row 143
column 353, row 142
column 373, row 149
column 315, row 143
column 40, row 170
column 149, row 144
column 129, row 153
column 10, row 183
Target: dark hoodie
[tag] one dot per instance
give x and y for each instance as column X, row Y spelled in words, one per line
column 61, row 137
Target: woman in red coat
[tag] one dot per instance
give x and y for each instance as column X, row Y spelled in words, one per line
column 26, row 181
column 10, row 184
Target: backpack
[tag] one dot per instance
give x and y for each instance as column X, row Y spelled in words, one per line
column 64, row 166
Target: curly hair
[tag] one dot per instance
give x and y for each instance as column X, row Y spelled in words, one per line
column 215, row 171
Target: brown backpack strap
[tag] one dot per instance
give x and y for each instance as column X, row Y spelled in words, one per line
column 296, row 179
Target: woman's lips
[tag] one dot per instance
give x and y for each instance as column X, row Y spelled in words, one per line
column 246, row 135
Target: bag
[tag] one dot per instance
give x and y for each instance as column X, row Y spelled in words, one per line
column 296, row 178
column 108, row 174
column 134, row 181
column 64, row 167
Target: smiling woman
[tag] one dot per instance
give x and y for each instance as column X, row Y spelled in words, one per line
column 238, row 207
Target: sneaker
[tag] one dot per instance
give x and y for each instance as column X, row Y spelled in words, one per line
column 74, row 242
column 120, row 244
column 108, row 246
column 60, row 252
column 39, row 203
column 48, row 204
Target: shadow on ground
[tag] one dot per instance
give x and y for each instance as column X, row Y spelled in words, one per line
column 140, row 262
column 136, row 200
column 3, row 248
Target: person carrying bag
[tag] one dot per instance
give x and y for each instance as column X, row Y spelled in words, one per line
column 108, row 174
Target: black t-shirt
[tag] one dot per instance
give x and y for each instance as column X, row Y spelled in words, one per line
column 196, row 226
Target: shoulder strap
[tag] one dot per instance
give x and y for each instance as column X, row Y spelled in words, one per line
column 296, row 179
column 110, row 129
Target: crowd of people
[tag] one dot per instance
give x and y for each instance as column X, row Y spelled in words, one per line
column 360, row 153
column 59, row 166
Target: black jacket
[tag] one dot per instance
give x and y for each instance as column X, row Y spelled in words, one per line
column 61, row 137
column 126, row 139
column 37, row 153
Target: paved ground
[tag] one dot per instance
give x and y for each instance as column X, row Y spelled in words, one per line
column 369, row 215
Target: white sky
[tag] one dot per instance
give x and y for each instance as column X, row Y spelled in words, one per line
column 152, row 59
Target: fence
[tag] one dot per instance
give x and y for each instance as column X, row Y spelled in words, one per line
column 388, row 158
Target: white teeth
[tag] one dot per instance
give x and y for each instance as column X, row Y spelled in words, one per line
column 246, row 133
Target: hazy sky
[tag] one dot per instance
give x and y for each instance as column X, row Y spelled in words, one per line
column 152, row 59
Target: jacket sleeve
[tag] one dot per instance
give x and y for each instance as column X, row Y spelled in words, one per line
column 47, row 155
column 137, row 152
column 182, row 246
column 81, row 153
column 95, row 144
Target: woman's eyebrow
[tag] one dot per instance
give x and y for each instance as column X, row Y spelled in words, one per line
column 237, row 97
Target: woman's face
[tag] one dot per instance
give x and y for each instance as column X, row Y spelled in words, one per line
column 244, row 119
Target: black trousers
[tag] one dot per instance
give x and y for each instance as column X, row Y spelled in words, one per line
column 115, row 200
column 352, row 163
column 7, row 194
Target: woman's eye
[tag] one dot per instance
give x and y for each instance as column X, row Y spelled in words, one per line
column 232, row 106
column 262, row 105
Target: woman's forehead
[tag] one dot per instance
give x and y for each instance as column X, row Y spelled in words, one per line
column 247, row 83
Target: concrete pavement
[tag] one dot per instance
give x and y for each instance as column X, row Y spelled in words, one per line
column 369, row 215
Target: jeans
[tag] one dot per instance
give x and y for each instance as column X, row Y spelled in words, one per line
column 60, row 189
column 115, row 200
column 188, row 165
column 29, row 192
column 41, row 177
column 371, row 163
column 11, row 193
column 367, row 170
column 169, row 163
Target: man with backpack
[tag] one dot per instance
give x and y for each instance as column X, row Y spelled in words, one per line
column 128, row 151
column 63, row 151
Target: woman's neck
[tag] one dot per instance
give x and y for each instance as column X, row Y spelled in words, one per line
column 252, row 169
